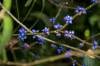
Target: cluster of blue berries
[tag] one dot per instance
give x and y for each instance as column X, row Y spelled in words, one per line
column 46, row 30
column 23, row 32
column 68, row 19
column 95, row 45
column 95, row 1
column 25, row 46
column 52, row 20
column 68, row 54
column 41, row 41
column 57, row 26
column 79, row 9
column 35, row 31
column 74, row 62
column 37, row 56
column 67, row 34
column 52, row 45
column 60, row 49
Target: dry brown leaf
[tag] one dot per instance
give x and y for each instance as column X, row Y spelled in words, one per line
column 90, row 52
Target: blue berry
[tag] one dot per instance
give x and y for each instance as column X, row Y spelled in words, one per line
column 58, row 34
column 42, row 30
column 22, row 38
column 80, row 60
column 80, row 44
column 25, row 37
column 76, row 11
column 67, row 21
column 95, row 43
column 83, row 11
column 82, row 8
column 93, row 47
column 22, row 34
column 63, row 49
column 60, row 26
column 55, row 26
column 79, row 8
column 75, row 61
column 66, row 31
column 66, row 35
column 70, row 21
column 83, row 65
column 25, row 31
column 72, row 32
column 73, row 64
column 19, row 36
column 34, row 31
column 20, row 31
column 59, row 47
column 25, row 46
column 34, row 36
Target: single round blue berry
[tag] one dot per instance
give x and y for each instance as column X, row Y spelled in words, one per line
column 79, row 8
column 42, row 30
column 66, row 35
column 66, row 31
column 75, row 61
column 73, row 64
column 81, row 60
column 63, row 49
column 20, row 31
column 34, row 36
column 59, row 34
column 82, row 8
column 70, row 18
column 93, row 47
column 84, row 12
column 70, row 21
column 83, row 65
column 59, row 47
column 19, row 36
column 22, row 38
column 55, row 26
column 25, row 37
column 67, row 21
column 60, row 26
column 34, row 31
column 76, row 11
column 47, row 32
column 72, row 32
column 50, row 20
column 80, row 44
column 53, row 19
column 25, row 31
column 95, row 43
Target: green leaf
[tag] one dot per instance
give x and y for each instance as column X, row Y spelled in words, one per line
column 42, row 16
column 93, row 19
column 87, row 34
column 7, row 28
column 28, row 3
column 90, row 61
column 7, row 4
column 4, row 56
